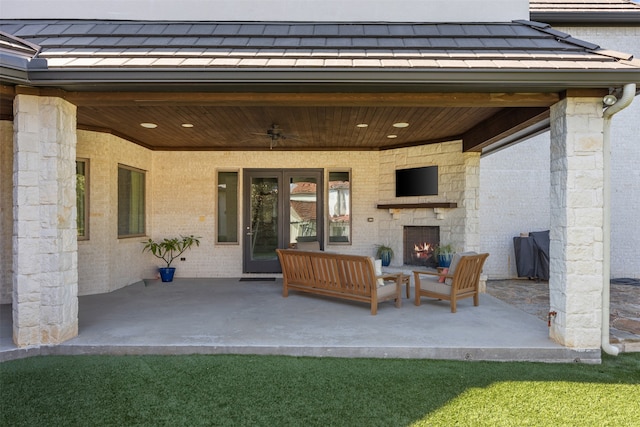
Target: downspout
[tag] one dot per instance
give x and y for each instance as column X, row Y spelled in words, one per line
column 628, row 92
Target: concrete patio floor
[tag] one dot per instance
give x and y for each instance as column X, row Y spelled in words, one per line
column 229, row 316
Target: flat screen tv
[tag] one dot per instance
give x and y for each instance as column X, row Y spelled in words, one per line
column 417, row 181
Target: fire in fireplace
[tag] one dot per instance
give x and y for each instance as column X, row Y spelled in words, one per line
column 419, row 244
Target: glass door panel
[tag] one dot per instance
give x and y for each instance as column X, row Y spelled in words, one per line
column 281, row 207
column 303, row 208
column 262, row 227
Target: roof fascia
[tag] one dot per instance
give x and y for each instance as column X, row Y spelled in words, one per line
column 428, row 80
column 627, row 17
column 13, row 69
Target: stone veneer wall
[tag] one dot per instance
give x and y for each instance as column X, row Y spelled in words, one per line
column 6, row 210
column 458, row 182
column 45, row 303
column 577, row 180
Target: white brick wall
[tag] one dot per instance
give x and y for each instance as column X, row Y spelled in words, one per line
column 514, row 193
column 182, row 202
column 106, row 263
column 182, row 191
column 187, row 204
column 6, row 210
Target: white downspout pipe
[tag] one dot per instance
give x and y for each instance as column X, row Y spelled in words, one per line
column 628, row 92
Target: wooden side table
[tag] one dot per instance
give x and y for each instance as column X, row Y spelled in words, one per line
column 406, row 279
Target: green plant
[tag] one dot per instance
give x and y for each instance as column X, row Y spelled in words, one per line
column 170, row 249
column 444, row 250
column 383, row 249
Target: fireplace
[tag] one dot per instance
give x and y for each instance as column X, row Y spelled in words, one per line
column 419, row 243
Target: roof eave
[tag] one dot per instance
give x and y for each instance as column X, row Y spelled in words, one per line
column 428, row 79
column 13, row 69
column 608, row 18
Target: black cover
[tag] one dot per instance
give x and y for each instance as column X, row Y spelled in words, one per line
column 532, row 255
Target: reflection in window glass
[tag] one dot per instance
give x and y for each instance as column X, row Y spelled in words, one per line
column 131, row 202
column 82, row 197
column 227, row 207
column 339, row 207
column 303, row 202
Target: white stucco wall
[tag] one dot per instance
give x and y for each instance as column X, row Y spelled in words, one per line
column 514, row 194
column 271, row 10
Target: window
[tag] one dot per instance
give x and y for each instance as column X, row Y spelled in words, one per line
column 82, row 198
column 131, row 202
column 339, row 212
column 227, row 207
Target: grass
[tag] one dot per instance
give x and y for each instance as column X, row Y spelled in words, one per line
column 288, row 391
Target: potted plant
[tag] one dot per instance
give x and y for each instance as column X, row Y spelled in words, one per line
column 385, row 253
column 443, row 254
column 168, row 250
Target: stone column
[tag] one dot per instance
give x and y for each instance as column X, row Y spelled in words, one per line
column 471, row 201
column 45, row 283
column 577, row 180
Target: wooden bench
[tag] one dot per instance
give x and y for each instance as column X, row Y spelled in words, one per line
column 350, row 277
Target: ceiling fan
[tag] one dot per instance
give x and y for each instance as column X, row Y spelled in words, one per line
column 275, row 133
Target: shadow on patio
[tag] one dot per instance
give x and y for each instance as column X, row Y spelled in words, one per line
column 216, row 316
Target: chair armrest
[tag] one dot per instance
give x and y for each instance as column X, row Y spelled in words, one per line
column 431, row 273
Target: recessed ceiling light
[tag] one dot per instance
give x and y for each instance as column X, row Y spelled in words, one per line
column 187, row 125
column 400, row 125
column 392, row 136
column 149, row 125
column 362, row 125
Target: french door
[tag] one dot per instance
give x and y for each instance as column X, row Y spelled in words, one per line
column 281, row 206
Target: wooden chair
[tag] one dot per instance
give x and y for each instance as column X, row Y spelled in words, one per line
column 461, row 281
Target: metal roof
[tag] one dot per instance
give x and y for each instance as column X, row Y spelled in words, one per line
column 118, row 45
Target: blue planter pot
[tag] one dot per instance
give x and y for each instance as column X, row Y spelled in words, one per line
column 444, row 260
column 166, row 273
column 386, row 259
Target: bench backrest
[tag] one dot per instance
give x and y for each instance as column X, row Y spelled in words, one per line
column 338, row 272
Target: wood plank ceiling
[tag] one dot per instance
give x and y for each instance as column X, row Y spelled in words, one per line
column 243, row 121
column 304, row 121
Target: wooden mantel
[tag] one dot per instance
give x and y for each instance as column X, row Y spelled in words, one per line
column 417, row 205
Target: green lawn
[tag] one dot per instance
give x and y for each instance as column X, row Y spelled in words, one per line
column 289, row 391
